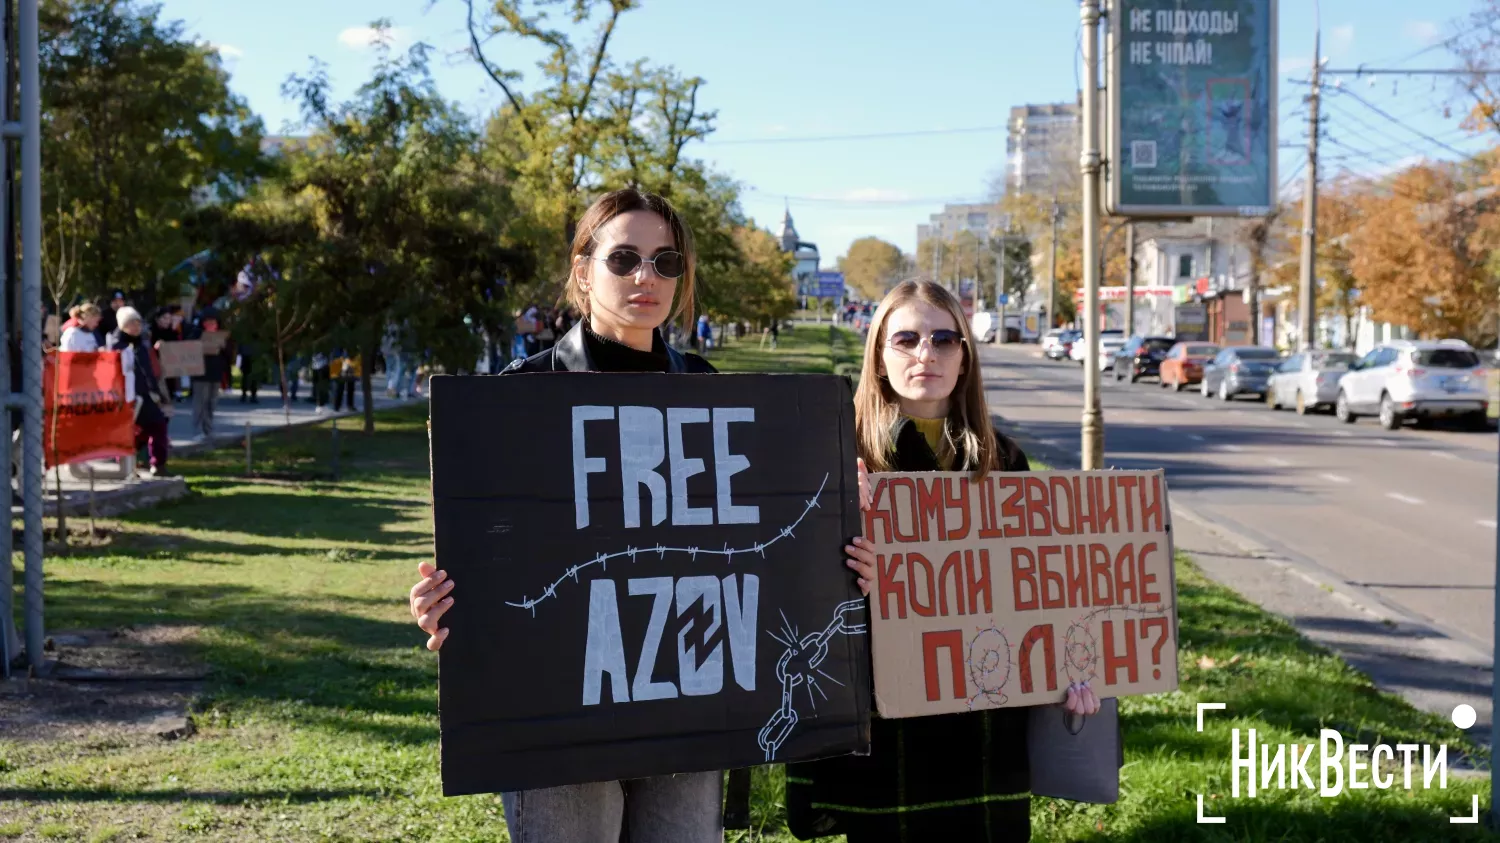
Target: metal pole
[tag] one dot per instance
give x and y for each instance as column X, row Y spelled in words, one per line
column 1093, row 421
column 1494, row 818
column 249, row 466
column 1050, row 311
column 1130, row 280
column 1310, row 209
column 10, row 641
column 1004, row 335
column 31, row 327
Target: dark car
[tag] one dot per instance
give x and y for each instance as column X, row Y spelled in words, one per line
column 1141, row 357
column 1239, row 370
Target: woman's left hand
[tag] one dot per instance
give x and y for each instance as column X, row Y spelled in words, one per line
column 864, row 485
column 1081, row 699
column 862, row 562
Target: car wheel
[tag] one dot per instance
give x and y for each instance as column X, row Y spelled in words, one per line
column 1224, row 394
column 1134, row 378
column 1176, row 386
column 1341, row 409
column 1203, row 388
column 1389, row 418
column 1271, row 398
column 1301, row 404
column 1161, row 382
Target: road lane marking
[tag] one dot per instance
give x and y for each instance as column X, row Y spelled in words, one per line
column 1235, row 448
column 1485, row 522
column 1389, row 443
column 1397, row 496
column 1335, row 478
column 1165, row 429
column 1279, row 462
column 1344, row 433
column 1195, row 437
column 1301, row 424
column 1443, row 455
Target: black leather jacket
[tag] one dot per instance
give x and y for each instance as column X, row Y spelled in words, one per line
column 571, row 354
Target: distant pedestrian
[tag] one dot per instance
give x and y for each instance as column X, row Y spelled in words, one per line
column 143, row 388
column 705, row 335
column 215, row 367
column 82, row 336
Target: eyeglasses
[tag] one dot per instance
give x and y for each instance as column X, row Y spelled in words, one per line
column 945, row 343
column 622, row 262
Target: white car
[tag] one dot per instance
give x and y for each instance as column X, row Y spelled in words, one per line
column 1308, row 380
column 984, row 325
column 1109, row 343
column 1417, row 379
column 1051, row 340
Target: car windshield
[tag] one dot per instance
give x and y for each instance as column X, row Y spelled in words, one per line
column 1158, row 344
column 1447, row 358
column 1334, row 362
column 1257, row 353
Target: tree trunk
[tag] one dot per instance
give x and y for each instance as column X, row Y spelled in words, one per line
column 366, row 372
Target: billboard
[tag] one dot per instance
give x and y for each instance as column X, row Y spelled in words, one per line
column 1192, row 108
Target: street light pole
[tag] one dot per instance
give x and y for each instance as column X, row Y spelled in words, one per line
column 1089, row 162
column 1129, row 280
column 1050, row 311
column 1306, row 299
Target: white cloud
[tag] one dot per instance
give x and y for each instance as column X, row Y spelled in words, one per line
column 228, row 51
column 1424, row 32
column 364, row 37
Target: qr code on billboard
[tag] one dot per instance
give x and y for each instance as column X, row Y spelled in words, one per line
column 1143, row 154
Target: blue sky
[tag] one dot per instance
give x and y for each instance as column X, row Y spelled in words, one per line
column 780, row 70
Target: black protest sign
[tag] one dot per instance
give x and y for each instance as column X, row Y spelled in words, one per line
column 648, row 575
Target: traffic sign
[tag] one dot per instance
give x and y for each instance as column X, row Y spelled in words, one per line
column 830, row 285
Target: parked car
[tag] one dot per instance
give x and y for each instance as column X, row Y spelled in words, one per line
column 1051, row 340
column 1238, row 370
column 1109, row 343
column 1420, row 380
column 1062, row 347
column 1183, row 365
column 1308, row 380
column 1141, row 357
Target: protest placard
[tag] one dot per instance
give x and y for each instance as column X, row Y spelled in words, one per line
column 85, row 415
column 1003, row 592
column 214, row 341
column 182, row 359
column 649, row 576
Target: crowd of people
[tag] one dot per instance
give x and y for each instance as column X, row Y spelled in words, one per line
column 115, row 325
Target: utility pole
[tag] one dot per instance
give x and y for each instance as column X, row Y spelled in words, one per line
column 1003, row 334
column 1130, row 280
column 1050, row 312
column 1089, row 164
column 1305, row 316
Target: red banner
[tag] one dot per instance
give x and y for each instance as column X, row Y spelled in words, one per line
column 85, row 415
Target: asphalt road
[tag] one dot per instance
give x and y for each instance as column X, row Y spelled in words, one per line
column 1401, row 518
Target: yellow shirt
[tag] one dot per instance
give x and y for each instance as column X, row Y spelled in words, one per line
column 932, row 431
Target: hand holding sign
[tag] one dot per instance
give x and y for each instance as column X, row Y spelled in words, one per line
column 430, row 598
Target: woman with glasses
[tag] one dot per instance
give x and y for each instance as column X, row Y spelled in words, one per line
column 920, row 406
column 632, row 269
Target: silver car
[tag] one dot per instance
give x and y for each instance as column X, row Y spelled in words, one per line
column 1308, row 380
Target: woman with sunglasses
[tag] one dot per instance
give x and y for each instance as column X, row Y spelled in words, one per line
column 631, row 269
column 920, row 406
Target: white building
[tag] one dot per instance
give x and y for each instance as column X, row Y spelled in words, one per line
column 980, row 220
column 1043, row 147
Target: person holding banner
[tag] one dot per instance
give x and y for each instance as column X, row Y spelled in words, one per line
column 80, row 336
column 632, row 269
column 920, row 406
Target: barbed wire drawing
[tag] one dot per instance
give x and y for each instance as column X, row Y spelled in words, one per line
column 796, row 667
column 603, row 559
column 989, row 661
column 1081, row 660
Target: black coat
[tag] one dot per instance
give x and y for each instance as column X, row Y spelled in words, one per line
column 571, row 354
column 147, row 388
column 945, row 777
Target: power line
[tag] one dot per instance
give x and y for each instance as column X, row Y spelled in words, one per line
column 1383, row 113
column 871, row 203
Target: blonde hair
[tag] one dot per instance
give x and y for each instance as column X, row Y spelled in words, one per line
column 612, row 205
column 86, row 310
column 877, row 408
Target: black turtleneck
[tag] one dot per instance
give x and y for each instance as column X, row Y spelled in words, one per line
column 611, row 356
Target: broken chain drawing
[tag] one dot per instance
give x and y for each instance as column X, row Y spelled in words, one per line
column 796, row 667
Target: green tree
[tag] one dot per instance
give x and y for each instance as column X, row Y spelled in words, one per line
column 139, row 127
column 872, row 266
column 388, row 217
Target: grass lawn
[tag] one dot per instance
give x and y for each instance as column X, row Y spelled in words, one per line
column 319, row 718
column 800, row 349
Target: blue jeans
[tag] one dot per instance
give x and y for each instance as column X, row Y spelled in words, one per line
column 406, row 379
column 686, row 808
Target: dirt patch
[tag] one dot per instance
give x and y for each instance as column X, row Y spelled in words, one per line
column 119, row 687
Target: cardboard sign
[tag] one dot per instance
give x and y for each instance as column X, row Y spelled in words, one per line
column 649, row 575
column 1002, row 593
column 181, row 359
column 214, row 341
column 85, row 415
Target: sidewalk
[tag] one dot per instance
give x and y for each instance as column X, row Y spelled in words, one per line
column 230, row 416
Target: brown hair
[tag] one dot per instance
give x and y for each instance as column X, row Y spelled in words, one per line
column 877, row 408
column 612, row 205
